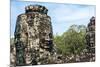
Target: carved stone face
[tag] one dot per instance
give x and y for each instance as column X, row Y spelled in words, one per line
column 33, row 36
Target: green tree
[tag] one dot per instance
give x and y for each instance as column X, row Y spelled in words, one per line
column 72, row 41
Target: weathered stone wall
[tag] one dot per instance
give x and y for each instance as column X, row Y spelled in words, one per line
column 33, row 36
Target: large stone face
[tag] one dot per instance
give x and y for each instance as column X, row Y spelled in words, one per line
column 33, row 36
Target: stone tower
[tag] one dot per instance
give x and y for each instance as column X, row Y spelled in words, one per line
column 90, row 38
column 33, row 36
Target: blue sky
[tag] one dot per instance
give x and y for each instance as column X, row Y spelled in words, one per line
column 62, row 15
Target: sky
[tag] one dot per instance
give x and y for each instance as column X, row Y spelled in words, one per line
column 62, row 15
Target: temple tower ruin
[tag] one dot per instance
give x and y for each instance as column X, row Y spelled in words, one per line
column 33, row 36
column 90, row 38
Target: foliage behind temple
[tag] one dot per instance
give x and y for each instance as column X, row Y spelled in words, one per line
column 72, row 41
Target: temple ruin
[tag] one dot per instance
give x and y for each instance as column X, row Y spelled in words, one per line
column 33, row 40
column 90, row 39
column 33, row 36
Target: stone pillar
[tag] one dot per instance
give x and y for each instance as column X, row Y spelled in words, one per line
column 33, row 36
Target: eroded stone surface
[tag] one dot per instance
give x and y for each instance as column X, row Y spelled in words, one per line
column 33, row 36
